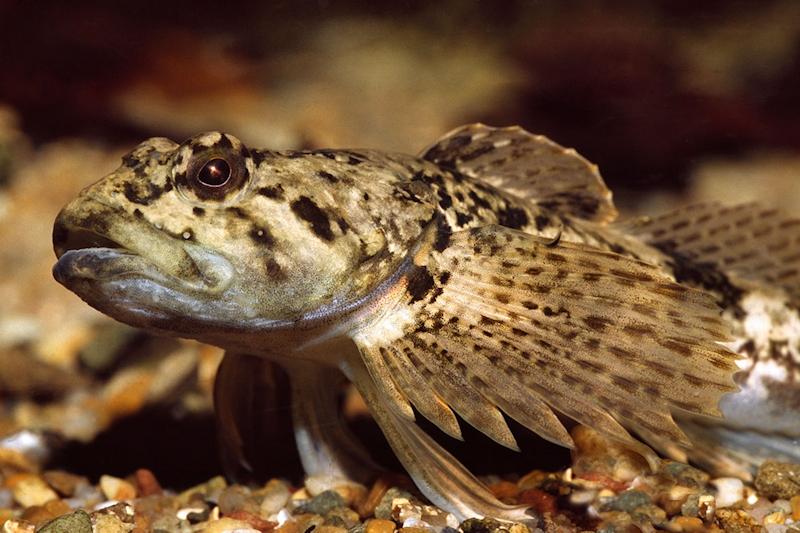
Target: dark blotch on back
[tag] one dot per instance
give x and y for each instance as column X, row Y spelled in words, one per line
column 327, row 176
column 262, row 236
column 478, row 201
column 276, row 193
column 513, row 217
column 239, row 212
column 305, row 208
column 445, row 201
column 443, row 233
column 420, row 283
column 198, row 211
column 707, row 275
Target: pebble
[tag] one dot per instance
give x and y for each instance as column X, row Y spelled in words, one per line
column 109, row 523
column 778, row 517
column 330, row 529
column 706, row 507
column 115, row 488
column 322, row 503
column 690, row 524
column 373, row 498
column 795, row 504
column 377, row 525
column 39, row 514
column 237, row 498
column 386, row 505
column 729, row 491
column 77, row 522
column 21, row 526
column 64, row 482
column 489, row 525
column 275, row 495
column 737, row 521
column 254, row 520
column 30, row 489
column 539, row 500
column 342, row 517
column 350, row 491
column 778, row 480
column 229, row 525
column 210, row 490
column 628, row 501
column 147, row 483
column 122, row 510
column 684, row 474
column 6, row 498
column 594, row 454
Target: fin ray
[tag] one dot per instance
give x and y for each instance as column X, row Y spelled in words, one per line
column 529, row 166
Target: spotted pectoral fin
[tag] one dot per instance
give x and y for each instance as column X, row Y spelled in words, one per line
column 744, row 243
column 529, row 166
column 495, row 320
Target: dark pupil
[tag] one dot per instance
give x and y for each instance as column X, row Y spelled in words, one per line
column 215, row 173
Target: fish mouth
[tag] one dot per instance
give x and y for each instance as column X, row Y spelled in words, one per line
column 123, row 265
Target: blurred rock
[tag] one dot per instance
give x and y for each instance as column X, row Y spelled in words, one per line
column 77, row 522
column 778, row 480
column 596, row 457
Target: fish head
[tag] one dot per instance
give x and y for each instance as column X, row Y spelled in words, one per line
column 207, row 237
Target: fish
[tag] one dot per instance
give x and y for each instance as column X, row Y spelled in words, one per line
column 484, row 279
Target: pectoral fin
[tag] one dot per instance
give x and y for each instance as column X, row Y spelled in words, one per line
column 493, row 319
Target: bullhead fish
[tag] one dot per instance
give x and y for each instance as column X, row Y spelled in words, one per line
column 482, row 279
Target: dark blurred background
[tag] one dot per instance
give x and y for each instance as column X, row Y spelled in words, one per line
column 675, row 100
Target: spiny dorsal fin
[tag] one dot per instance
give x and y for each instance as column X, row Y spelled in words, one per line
column 499, row 319
column 746, row 242
column 529, row 166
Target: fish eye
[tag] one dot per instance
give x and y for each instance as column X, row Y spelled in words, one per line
column 215, row 173
column 211, row 167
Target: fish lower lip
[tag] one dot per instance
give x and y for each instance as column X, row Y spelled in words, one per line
column 109, row 264
column 99, row 264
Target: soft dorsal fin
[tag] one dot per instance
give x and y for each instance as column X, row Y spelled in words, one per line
column 529, row 166
column 746, row 242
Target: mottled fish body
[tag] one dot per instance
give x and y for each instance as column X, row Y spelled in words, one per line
column 484, row 278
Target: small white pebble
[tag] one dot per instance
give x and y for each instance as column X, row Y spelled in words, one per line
column 187, row 235
column 729, row 491
column 283, row 516
column 183, row 514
